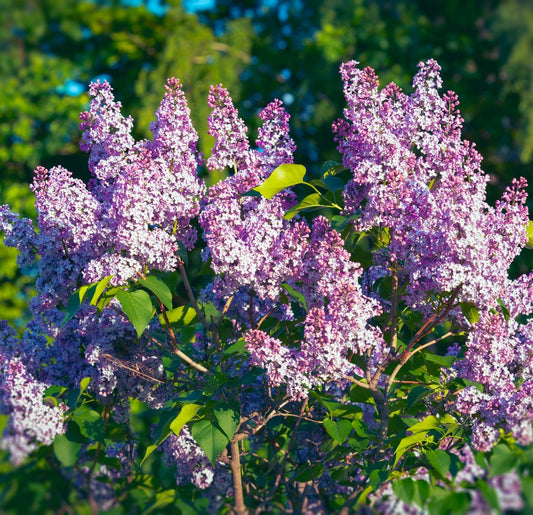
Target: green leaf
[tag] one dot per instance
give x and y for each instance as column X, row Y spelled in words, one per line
column 186, row 414
column 162, row 430
column 333, row 183
column 239, row 347
column 470, row 312
column 228, row 419
column 430, row 422
column 84, row 383
column 404, row 489
column 443, row 361
column 74, row 304
column 505, row 311
column 282, row 177
column 529, row 243
column 182, row 315
column 90, row 423
column 98, row 288
column 296, row 295
column 159, row 289
column 339, row 431
column 138, row 307
column 66, row 451
column 502, row 460
column 309, row 202
column 527, row 491
column 377, row 478
column 308, row 473
column 422, row 492
column 330, row 168
column 417, row 394
column 210, row 438
column 406, row 443
column 439, row 460
column 489, row 494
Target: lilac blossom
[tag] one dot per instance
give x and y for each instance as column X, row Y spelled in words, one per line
column 187, row 457
column 31, row 422
column 106, row 133
column 147, row 207
column 248, row 241
column 415, row 176
column 337, row 323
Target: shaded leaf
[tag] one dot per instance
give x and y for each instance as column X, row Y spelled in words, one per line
column 339, row 430
column 309, row 202
column 228, row 419
column 439, row 460
column 138, row 307
column 210, row 438
column 66, row 451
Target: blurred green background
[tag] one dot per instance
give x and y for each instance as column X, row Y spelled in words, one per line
column 290, row 49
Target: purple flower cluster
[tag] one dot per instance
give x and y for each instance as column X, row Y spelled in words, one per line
column 248, row 241
column 31, row 422
column 130, row 219
column 499, row 356
column 189, row 460
column 414, row 175
column 337, row 324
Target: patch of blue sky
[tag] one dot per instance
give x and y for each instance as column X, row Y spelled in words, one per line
column 71, row 88
column 156, row 7
column 193, row 6
column 103, row 77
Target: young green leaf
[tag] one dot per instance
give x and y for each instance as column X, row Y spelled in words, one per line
column 309, row 202
column 282, row 177
column 470, row 312
column 138, row 307
column 182, row 315
column 98, row 288
column 503, row 307
column 186, row 414
column 529, row 243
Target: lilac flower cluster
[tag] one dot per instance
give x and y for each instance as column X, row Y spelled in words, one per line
column 131, row 218
column 189, row 460
column 413, row 174
column 30, row 423
column 336, row 326
column 499, row 356
column 248, row 241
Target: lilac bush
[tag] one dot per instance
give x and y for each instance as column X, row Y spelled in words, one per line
column 277, row 342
